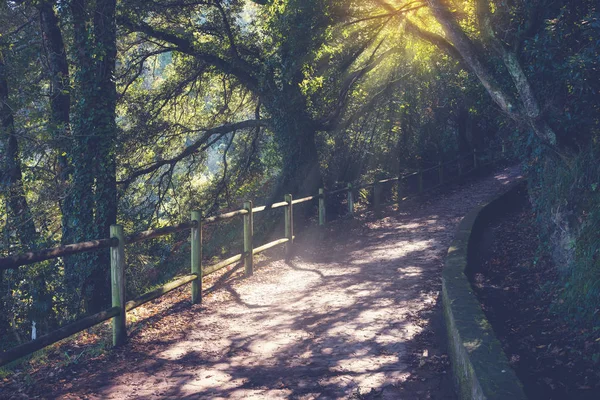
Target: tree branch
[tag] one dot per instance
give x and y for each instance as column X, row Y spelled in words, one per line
column 392, row 13
column 467, row 50
column 510, row 60
column 194, row 147
column 434, row 39
column 228, row 31
column 185, row 45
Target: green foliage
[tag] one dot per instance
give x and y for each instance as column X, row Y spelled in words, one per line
column 568, row 210
column 561, row 59
column 565, row 76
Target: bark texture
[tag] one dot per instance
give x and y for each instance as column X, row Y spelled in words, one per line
column 91, row 202
column 60, row 98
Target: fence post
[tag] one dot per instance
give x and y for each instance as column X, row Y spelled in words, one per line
column 117, row 280
column 248, row 245
column 474, row 158
column 377, row 198
column 420, row 177
column 321, row 207
column 289, row 226
column 350, row 200
column 441, row 171
column 196, row 261
column 503, row 150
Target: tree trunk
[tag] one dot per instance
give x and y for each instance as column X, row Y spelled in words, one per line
column 20, row 219
column 20, row 223
column 59, row 119
column 60, row 98
column 470, row 55
column 105, row 196
column 78, row 211
column 92, row 198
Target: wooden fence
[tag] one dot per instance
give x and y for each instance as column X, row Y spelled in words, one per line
column 453, row 169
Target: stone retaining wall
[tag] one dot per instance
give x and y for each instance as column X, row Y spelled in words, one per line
column 479, row 365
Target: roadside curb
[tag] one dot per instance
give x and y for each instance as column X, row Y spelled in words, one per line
column 479, row 366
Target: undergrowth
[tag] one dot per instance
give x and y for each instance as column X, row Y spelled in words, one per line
column 566, row 198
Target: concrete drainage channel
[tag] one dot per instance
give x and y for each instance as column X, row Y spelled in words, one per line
column 479, row 366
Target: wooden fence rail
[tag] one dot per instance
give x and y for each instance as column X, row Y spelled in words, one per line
column 116, row 243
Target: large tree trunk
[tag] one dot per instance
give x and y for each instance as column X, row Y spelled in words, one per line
column 105, row 196
column 78, row 210
column 60, row 108
column 92, row 197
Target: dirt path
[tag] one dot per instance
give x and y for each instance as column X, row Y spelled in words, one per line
column 343, row 320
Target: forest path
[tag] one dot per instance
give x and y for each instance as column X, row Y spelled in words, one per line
column 342, row 320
